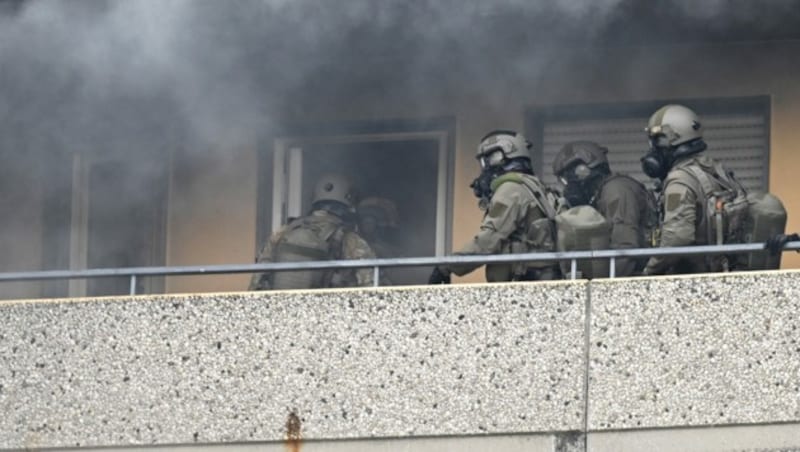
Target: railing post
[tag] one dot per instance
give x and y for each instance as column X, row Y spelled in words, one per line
column 133, row 284
column 376, row 274
column 612, row 267
column 573, row 268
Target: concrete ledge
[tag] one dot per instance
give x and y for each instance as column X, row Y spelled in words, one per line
column 351, row 364
column 689, row 351
column 744, row 438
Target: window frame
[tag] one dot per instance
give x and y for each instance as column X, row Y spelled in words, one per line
column 276, row 147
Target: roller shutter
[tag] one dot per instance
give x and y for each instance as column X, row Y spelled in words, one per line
column 739, row 139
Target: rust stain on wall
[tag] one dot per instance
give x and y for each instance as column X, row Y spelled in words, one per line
column 293, row 438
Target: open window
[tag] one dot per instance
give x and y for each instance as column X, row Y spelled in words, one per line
column 412, row 168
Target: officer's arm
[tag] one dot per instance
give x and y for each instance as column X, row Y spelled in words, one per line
column 678, row 228
column 501, row 219
column 621, row 207
column 260, row 281
column 355, row 247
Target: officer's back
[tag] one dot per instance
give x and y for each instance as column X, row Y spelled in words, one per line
column 326, row 233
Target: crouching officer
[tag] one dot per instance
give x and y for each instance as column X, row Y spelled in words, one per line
column 326, row 233
column 518, row 213
column 582, row 168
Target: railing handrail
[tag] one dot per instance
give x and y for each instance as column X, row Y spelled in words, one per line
column 387, row 262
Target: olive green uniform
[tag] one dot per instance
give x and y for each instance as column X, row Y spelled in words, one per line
column 350, row 244
column 627, row 205
column 684, row 223
column 514, row 222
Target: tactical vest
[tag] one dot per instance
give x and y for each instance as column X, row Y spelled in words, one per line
column 539, row 231
column 730, row 215
column 307, row 239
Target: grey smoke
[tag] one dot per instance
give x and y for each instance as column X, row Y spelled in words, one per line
column 133, row 75
column 219, row 68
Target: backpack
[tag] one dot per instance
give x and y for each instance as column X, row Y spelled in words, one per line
column 307, row 239
column 734, row 216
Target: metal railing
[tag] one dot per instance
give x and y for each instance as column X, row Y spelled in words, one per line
column 376, row 264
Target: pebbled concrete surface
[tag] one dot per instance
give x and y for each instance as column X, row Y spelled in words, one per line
column 213, row 368
column 689, row 351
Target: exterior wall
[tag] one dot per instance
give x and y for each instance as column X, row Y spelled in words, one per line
column 211, row 216
column 622, row 361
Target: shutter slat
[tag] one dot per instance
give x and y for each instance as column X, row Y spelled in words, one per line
column 739, row 141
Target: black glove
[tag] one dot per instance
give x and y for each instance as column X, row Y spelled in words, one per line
column 775, row 244
column 439, row 276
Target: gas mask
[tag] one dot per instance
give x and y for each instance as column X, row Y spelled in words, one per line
column 491, row 166
column 580, row 184
column 657, row 162
column 482, row 186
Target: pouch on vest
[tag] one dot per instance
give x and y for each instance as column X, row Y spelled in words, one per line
column 584, row 228
column 304, row 241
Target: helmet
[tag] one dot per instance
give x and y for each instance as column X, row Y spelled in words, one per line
column 499, row 146
column 588, row 153
column 333, row 188
column 673, row 125
column 383, row 210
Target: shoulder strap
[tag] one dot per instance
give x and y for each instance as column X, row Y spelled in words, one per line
column 701, row 177
column 545, row 200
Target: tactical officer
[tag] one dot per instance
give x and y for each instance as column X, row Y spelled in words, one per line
column 518, row 212
column 676, row 157
column 326, row 233
column 582, row 168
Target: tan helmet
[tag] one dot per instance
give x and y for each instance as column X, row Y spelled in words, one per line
column 382, row 209
column 499, row 146
column 589, row 153
column 334, row 187
column 676, row 123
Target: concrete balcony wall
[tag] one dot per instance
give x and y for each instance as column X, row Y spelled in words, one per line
column 349, row 364
column 669, row 361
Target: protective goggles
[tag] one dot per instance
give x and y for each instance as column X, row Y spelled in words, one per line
column 659, row 141
column 575, row 173
column 493, row 157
